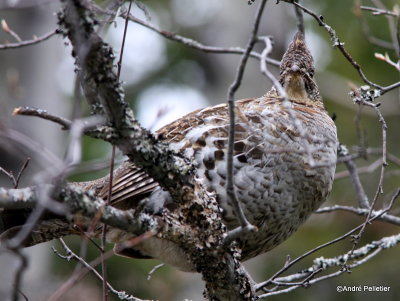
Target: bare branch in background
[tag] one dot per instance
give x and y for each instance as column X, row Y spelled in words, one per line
column 27, row 111
column 71, row 255
column 23, row 265
column 8, row 30
column 393, row 24
column 353, row 252
column 197, row 45
column 188, row 41
column 358, row 257
column 10, row 174
column 34, row 41
column 377, row 11
column 264, row 69
column 387, row 59
column 355, row 179
column 111, row 173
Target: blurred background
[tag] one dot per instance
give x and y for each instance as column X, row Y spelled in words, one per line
column 164, row 80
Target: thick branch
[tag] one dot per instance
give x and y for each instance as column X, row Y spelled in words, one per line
column 84, row 203
column 195, row 225
column 105, row 94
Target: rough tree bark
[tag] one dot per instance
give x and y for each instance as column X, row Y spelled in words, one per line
column 196, row 225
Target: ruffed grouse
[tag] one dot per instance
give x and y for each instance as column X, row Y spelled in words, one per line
column 284, row 159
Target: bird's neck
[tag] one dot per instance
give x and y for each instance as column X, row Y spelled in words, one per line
column 294, row 87
column 296, row 91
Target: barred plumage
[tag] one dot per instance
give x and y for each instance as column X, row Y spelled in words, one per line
column 284, row 156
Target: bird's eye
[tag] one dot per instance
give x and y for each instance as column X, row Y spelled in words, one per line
column 311, row 73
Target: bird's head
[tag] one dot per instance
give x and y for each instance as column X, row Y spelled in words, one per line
column 297, row 72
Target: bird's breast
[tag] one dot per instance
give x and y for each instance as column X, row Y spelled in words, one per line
column 284, row 162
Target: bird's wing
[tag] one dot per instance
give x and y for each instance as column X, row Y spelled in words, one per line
column 131, row 183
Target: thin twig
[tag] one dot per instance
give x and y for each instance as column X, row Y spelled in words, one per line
column 19, row 273
column 264, row 68
column 366, row 253
column 119, row 64
column 395, row 220
column 379, row 189
column 393, row 27
column 197, row 45
column 377, row 11
column 29, row 42
column 28, row 111
column 70, row 255
column 355, row 179
column 371, row 38
column 10, row 174
column 154, row 269
column 230, row 188
column 24, row 166
column 362, row 170
column 8, row 30
column 111, row 173
column 292, row 262
column 304, row 283
column 23, row 295
column 386, row 58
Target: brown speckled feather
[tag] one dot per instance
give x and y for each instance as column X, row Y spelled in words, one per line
column 284, row 156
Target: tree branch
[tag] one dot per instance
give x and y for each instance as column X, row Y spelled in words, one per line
column 362, row 198
column 29, row 42
column 360, row 256
column 27, row 111
column 81, row 202
column 105, row 94
column 197, row 210
column 185, row 40
column 71, row 255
